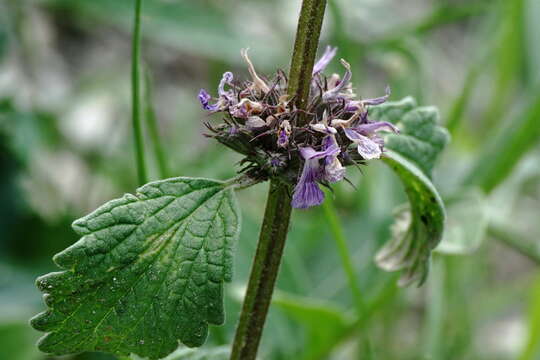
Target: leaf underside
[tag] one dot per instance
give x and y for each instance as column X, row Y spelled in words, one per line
column 412, row 154
column 147, row 272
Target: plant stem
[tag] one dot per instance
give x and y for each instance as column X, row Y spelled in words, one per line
column 305, row 49
column 152, row 123
column 515, row 241
column 339, row 238
column 346, row 261
column 136, row 97
column 278, row 204
column 263, row 272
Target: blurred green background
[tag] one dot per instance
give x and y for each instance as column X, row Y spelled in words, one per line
column 66, row 147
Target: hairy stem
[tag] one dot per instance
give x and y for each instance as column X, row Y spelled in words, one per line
column 136, row 96
column 305, row 49
column 263, row 272
column 277, row 215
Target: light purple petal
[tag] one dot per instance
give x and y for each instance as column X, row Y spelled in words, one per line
column 370, row 128
column 351, row 134
column 325, row 59
column 307, row 192
column 368, row 148
column 283, row 138
column 225, row 79
column 333, row 170
column 330, row 148
column 204, row 99
column 378, row 100
column 333, row 93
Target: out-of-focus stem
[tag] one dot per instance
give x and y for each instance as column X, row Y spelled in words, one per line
column 337, row 233
column 136, row 97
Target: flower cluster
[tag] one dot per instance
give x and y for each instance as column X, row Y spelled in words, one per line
column 308, row 147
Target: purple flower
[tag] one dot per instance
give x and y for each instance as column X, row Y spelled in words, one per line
column 323, row 62
column 333, row 170
column 225, row 97
column 353, row 106
column 369, row 144
column 283, row 134
column 246, row 108
column 378, row 100
column 334, row 92
column 307, row 192
column 204, row 98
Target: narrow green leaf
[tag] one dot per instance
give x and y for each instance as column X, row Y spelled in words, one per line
column 503, row 153
column 412, row 155
column 147, row 272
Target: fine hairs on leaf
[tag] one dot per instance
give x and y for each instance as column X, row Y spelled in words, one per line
column 147, row 273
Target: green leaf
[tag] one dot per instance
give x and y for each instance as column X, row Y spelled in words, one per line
column 504, row 151
column 412, row 155
column 147, row 272
column 421, row 139
column 467, row 221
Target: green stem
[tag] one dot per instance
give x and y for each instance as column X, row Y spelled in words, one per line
column 515, row 241
column 151, row 122
column 263, row 272
column 305, row 49
column 346, row 261
column 136, row 97
column 277, row 215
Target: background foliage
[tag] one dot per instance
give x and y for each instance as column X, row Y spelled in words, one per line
column 65, row 148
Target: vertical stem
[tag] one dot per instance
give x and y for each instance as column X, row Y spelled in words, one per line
column 136, row 97
column 263, row 272
column 278, row 204
column 305, row 49
column 435, row 309
column 346, row 261
column 339, row 237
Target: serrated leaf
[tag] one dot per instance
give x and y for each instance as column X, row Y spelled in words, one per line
column 467, row 221
column 412, row 155
column 421, row 139
column 147, row 272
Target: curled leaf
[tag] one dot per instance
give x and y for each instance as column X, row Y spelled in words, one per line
column 412, row 155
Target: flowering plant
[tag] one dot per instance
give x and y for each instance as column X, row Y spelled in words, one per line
column 262, row 123
column 149, row 269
